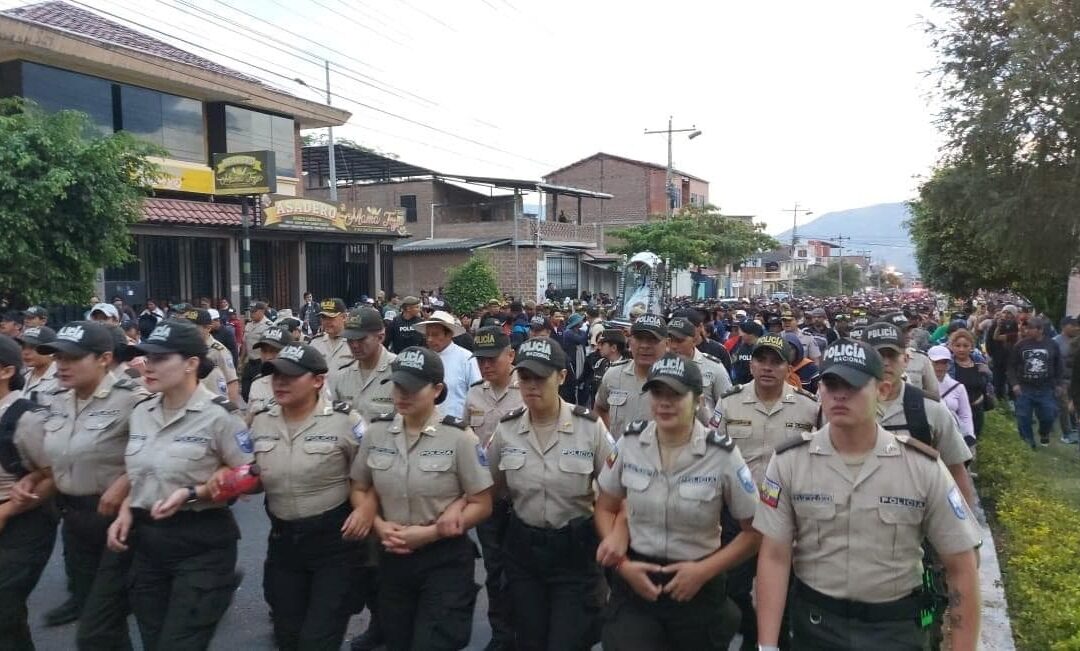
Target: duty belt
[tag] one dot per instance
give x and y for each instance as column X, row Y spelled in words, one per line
column 906, row 608
column 316, row 523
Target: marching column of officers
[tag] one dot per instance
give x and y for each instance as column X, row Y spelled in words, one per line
column 708, row 500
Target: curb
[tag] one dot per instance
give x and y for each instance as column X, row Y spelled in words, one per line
column 996, row 632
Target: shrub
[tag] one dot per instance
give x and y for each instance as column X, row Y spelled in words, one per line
column 471, row 285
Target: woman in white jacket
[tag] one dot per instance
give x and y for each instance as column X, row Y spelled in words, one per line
column 953, row 394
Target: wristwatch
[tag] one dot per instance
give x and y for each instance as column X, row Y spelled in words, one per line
column 192, row 495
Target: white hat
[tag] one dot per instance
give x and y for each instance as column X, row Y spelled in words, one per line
column 445, row 319
column 108, row 309
column 214, row 314
column 740, row 313
column 938, row 353
column 285, row 313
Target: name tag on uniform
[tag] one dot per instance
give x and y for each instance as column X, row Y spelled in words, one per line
column 580, row 454
column 739, row 421
column 909, row 502
column 813, row 498
column 436, row 453
column 641, row 470
column 188, row 438
column 382, row 450
column 806, row 427
column 326, row 438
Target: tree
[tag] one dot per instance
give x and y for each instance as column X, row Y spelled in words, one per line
column 824, row 281
column 885, row 279
column 696, row 236
column 471, row 285
column 67, row 199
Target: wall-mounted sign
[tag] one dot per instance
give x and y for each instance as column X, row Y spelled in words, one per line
column 290, row 213
column 183, row 177
column 248, row 172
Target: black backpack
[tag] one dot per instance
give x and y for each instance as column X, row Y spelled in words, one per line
column 917, row 424
column 10, row 460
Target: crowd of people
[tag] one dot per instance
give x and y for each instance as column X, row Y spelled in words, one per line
column 667, row 481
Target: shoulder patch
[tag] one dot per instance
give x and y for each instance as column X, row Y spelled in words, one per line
column 226, row 404
column 793, row 443
column 722, row 441
column 387, row 416
column 477, row 383
column 453, row 421
column 636, row 427
column 342, row 407
column 517, row 413
column 586, row 413
column 918, row 446
column 732, row 391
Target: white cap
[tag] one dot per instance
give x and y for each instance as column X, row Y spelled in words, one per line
column 740, row 313
column 214, row 314
column 108, row 309
column 938, row 353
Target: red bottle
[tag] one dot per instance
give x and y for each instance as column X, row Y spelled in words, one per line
column 238, row 481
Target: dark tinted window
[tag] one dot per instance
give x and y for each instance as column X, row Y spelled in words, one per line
column 247, row 130
column 175, row 123
column 56, row 90
column 408, row 202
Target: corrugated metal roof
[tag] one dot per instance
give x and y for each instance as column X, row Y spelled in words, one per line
column 449, row 244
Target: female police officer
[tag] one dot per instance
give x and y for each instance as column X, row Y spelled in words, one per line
column 183, row 571
column 546, row 455
column 416, row 462
column 304, row 447
column 675, row 477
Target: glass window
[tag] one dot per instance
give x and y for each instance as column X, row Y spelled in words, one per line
column 408, row 202
column 175, row 123
column 247, row 130
column 563, row 271
column 57, row 90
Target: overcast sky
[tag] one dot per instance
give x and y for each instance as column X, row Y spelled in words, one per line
column 824, row 103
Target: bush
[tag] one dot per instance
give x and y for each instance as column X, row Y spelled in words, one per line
column 471, row 285
column 1038, row 535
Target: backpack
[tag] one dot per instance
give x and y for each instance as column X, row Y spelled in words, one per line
column 915, row 415
column 10, row 460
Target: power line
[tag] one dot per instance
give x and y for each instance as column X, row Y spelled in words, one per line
column 428, row 16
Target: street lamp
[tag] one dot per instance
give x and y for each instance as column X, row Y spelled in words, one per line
column 330, row 136
column 694, row 133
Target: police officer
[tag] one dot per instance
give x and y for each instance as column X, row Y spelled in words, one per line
column 253, row 333
column 403, row 332
column 714, row 375
column 749, row 332
column 621, row 399
column 676, row 477
column 329, row 342
column 40, row 375
column 417, row 463
column 850, row 505
column 222, row 380
column 919, row 370
column 305, row 446
column 86, row 431
column 261, row 394
column 758, row 417
column 362, row 381
column 545, row 456
column 183, row 571
column 610, row 349
column 28, row 524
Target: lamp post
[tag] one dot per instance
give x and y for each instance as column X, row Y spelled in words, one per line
column 794, row 238
column 331, row 154
column 694, row 133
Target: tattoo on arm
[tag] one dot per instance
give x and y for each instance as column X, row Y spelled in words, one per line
column 955, row 619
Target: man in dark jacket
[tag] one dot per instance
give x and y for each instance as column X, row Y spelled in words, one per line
column 1034, row 372
column 403, row 332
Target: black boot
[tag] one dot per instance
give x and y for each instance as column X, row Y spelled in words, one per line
column 65, row 613
column 370, row 639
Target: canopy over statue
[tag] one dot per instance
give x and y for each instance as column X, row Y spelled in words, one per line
column 641, row 288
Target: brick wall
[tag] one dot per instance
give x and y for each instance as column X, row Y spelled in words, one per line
column 627, row 182
column 516, row 274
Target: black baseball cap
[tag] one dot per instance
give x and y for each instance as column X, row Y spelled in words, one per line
column 415, row 368
column 898, row 319
column 274, row 337
column 650, row 324
column 36, row 336
column 539, row 323
column 681, row 375
column 776, row 344
column 198, row 316
column 612, row 336
column 362, row 322
column 174, row 336
column 752, row 328
column 296, row 359
column 332, row 307
column 490, row 342
column 36, row 310
column 288, row 323
column 541, row 356
column 681, row 327
column 259, row 305
column 122, row 350
column 884, row 335
column 11, row 354
column 80, row 338
column 854, row 362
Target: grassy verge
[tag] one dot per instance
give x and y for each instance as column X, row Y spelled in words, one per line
column 1033, row 500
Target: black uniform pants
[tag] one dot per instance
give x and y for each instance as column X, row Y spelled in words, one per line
column 490, row 532
column 818, row 626
column 26, row 542
column 183, row 576
column 311, row 576
column 740, row 583
column 83, row 532
column 426, row 598
column 708, row 621
column 555, row 584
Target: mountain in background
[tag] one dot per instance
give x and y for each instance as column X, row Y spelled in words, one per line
column 879, row 229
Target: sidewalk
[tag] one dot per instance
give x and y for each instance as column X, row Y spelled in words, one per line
column 996, row 633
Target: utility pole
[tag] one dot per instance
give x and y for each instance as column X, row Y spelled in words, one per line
column 694, row 133
column 840, row 242
column 794, row 239
column 330, row 147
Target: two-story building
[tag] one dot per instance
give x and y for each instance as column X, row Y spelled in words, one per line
column 189, row 240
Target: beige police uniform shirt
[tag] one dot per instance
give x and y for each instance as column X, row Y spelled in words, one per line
column 35, row 388
column 946, row 437
column 758, row 428
column 364, row 390
column 485, row 406
column 253, row 332
column 167, row 451
column 85, row 439
column 715, row 382
column 219, row 354
column 29, row 439
column 550, row 483
column 920, row 373
column 305, row 471
column 261, row 394
column 810, row 347
column 417, row 480
column 620, row 392
column 336, row 351
column 861, row 538
column 675, row 515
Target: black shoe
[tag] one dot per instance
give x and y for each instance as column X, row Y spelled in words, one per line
column 369, row 640
column 65, row 613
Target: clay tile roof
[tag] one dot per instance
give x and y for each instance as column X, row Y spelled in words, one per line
column 69, row 18
column 157, row 210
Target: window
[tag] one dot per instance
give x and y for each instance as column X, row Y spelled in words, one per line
column 563, row 271
column 408, row 202
column 175, row 123
column 247, row 130
column 57, row 90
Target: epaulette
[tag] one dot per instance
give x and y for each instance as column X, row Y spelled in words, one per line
column 453, row 421
column 345, row 366
column 803, row 392
column 314, row 337
column 126, row 384
column 791, row 444
column 585, row 412
column 477, row 383
column 921, row 352
column 262, row 410
column 918, row 446
column 722, row 440
column 636, row 427
column 226, row 404
column 621, row 362
column 217, row 345
column 517, row 413
column 342, row 407
column 384, row 416
column 712, row 358
column 57, row 391
column 732, row 391
column 132, row 373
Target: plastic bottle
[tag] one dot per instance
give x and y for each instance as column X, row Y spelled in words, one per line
column 238, row 481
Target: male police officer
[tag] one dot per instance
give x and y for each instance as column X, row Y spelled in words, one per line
column 850, row 505
column 361, row 382
column 334, row 347
column 714, row 375
column 253, row 333
column 620, row 400
column 919, row 370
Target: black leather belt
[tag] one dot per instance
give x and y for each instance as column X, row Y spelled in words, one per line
column 890, row 611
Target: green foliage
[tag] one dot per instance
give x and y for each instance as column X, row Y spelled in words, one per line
column 312, row 138
column 67, row 198
column 825, row 281
column 885, row 279
column 1038, row 533
column 695, row 236
column 471, row 285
